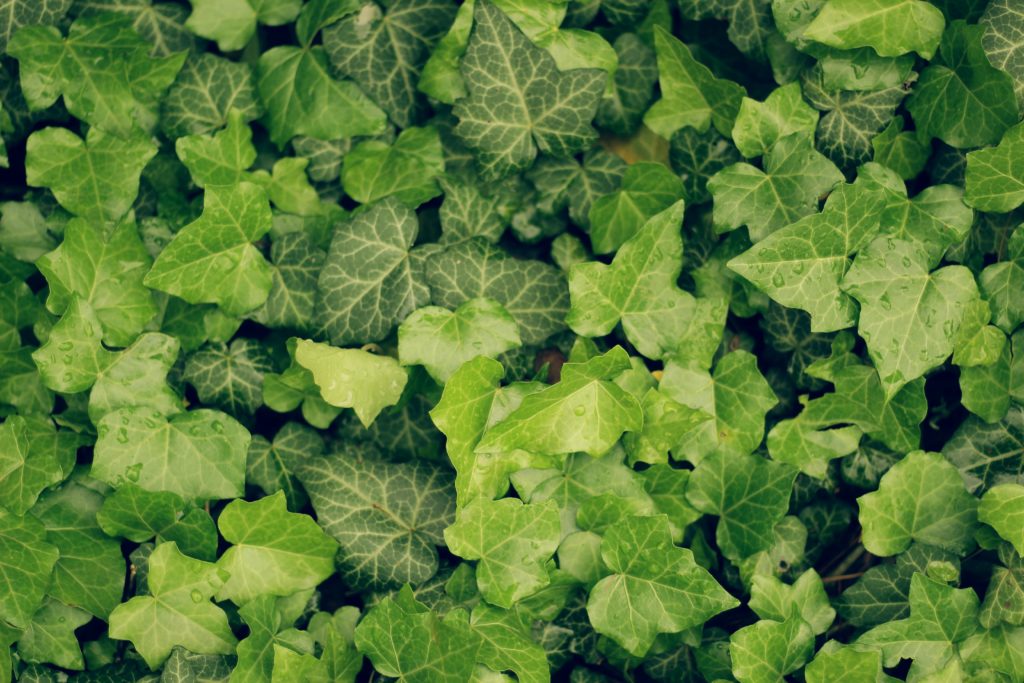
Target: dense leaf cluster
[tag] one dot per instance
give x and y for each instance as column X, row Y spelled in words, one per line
column 512, row 340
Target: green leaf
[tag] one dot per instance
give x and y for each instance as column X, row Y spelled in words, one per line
column 137, row 376
column 301, row 98
column 512, row 543
column 441, row 340
column 161, row 24
column 178, row 610
column 199, row 454
column 772, row 599
column 295, row 388
column 533, row 292
column 519, row 102
column 207, row 89
column 212, row 259
column 1002, row 21
column 690, row 95
column 97, row 179
column 73, row 356
column 654, row 587
column 1001, row 282
column 622, row 111
column 406, row 169
column 26, row 466
column 803, row 264
column 50, row 637
column 760, row 124
column 698, row 156
column 139, row 515
column 387, row 517
column 995, row 177
column 844, row 665
column 370, row 282
column 750, row 22
column 273, row 551
column 795, row 176
column 29, row 13
column 584, row 411
column 961, row 99
column 221, row 158
column 900, row 150
column 506, row 644
column 900, row 300
column 90, row 571
column 989, row 454
column 891, row 27
column 296, row 263
column 921, row 498
column 269, row 630
column 768, row 650
column 232, row 23
column 105, row 269
column 102, row 68
column 230, row 377
column 666, row 422
column 353, row 378
column 798, row 442
column 20, row 383
column 383, row 49
column 27, row 560
column 647, row 189
column 1002, row 508
column 400, row 634
column 566, row 182
column 272, row 465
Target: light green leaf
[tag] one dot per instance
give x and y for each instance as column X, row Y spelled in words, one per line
column 230, row 377
column 750, row 22
column 295, row 388
column 802, row 265
column 1003, row 22
column 97, row 179
column 989, row 454
column 272, row 465
column 794, row 178
column 102, row 68
column 273, row 551
column 666, row 422
column 199, row 454
column 768, row 650
column 440, row 77
column 961, row 99
column 25, row 234
column 655, row 587
column 162, row 24
column 140, row 515
column 772, row 599
column 568, row 183
column 406, row 169
column 27, row 561
column 506, row 644
column 901, row 300
column 270, row 632
column 383, row 49
column 73, row 356
column 533, row 292
column 584, row 411
column 369, row 282
column 387, row 517
column 994, row 179
column 800, row 443
column 512, row 543
column 207, row 89
column 212, row 259
column 845, row 665
column 921, row 498
column 1002, row 508
column 891, row 27
column 26, row 467
column 353, row 378
column 221, row 158
column 441, row 340
column 690, row 95
column 519, row 105
column 900, row 150
column 178, row 610
column 137, row 377
column 760, row 124
column 622, row 111
column 50, row 637
column 399, row 634
column 1001, row 284
column 647, row 189
column 232, row 23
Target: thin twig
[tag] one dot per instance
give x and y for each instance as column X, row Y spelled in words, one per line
column 842, row 577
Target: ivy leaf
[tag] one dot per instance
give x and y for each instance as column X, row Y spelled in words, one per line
column 199, row 454
column 844, row 665
column 512, row 541
column 353, row 378
column 232, row 23
column 212, row 259
column 901, row 300
column 399, row 634
column 962, row 99
column 622, row 111
column 406, row 169
column 230, row 377
column 178, row 610
column 369, row 282
column 803, row 264
column 772, row 599
column 506, row 644
column 27, row 561
column 989, row 454
column 891, row 27
column 768, row 650
column 516, row 107
column 647, row 189
column 666, row 422
column 750, row 22
column 921, row 498
column 273, row 551
column 698, row 156
column 295, row 388
column 50, row 637
column 98, row 178
column 1002, row 508
column 760, row 124
column 139, row 515
column 162, row 24
column 584, row 411
column 387, row 517
column 566, row 182
column 26, row 468
column 1002, row 20
column 73, row 356
column 441, row 340
column 795, row 176
column 272, row 465
column 207, row 89
column 994, row 179
column 690, row 95
column 221, row 158
column 383, row 49
column 296, row 263
column 30, row 13
column 105, row 269
column 533, row 292
column 655, row 587
column 137, row 377
column 103, row 70
column 1001, row 281
column 900, row 150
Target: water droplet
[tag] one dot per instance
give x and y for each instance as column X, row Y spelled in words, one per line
column 217, row 426
column 778, row 280
column 196, row 596
column 885, row 302
column 66, row 346
column 68, row 359
column 122, row 436
column 579, row 410
column 88, row 330
column 132, row 473
column 68, row 377
column 907, row 262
